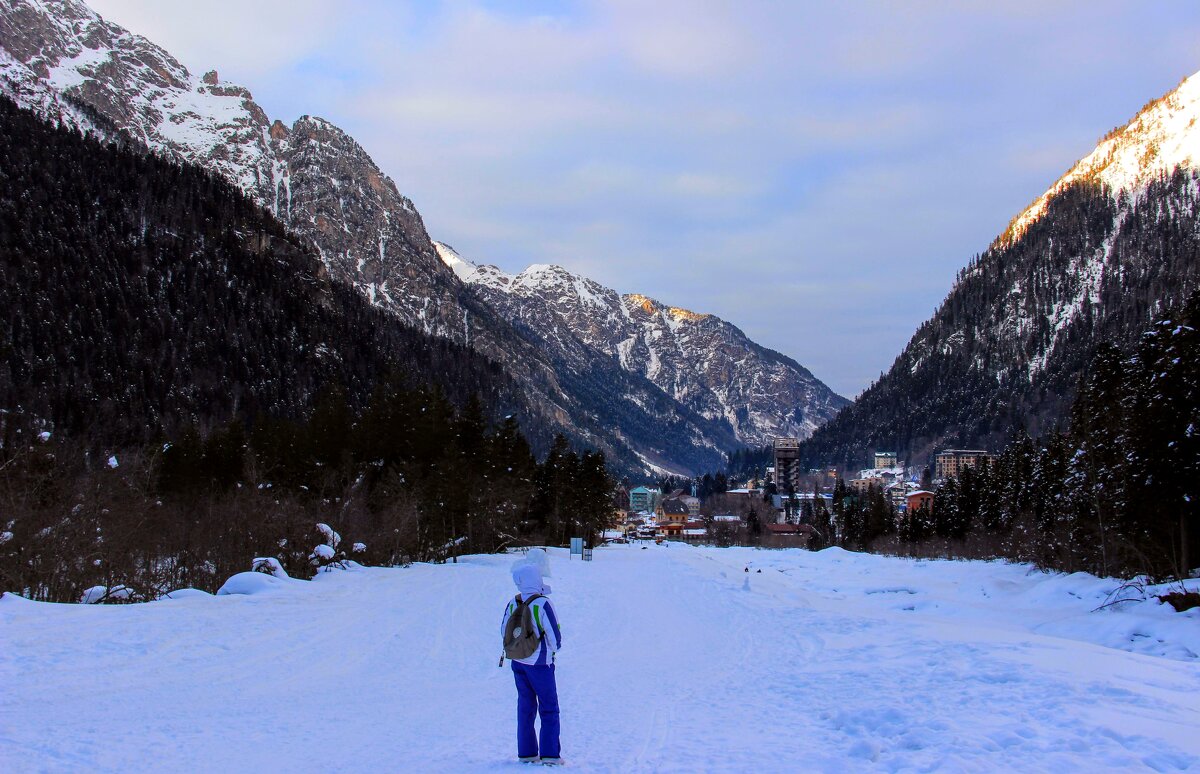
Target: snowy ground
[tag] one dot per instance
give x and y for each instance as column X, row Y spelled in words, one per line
column 674, row 660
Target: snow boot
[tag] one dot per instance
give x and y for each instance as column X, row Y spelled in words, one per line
column 529, row 759
column 552, row 761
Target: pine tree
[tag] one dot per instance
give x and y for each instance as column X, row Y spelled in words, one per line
column 1098, row 468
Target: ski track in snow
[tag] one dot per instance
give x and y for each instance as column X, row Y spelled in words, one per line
column 674, row 659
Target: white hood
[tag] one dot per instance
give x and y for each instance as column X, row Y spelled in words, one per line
column 528, row 579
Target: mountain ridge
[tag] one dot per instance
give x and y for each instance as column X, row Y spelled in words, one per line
column 142, row 297
column 1113, row 242
column 61, row 59
column 1161, row 136
column 706, row 363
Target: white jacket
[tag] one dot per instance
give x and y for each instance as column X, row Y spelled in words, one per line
column 528, row 579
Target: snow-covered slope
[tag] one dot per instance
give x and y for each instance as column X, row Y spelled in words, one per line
column 1162, row 137
column 700, row 360
column 674, row 659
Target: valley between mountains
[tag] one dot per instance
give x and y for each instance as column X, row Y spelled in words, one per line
column 686, row 391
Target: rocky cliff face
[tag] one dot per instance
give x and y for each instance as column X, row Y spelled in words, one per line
column 699, row 360
column 314, row 177
column 60, row 59
column 1108, row 248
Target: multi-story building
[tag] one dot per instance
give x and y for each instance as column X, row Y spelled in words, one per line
column 897, row 493
column 861, row 485
column 672, row 513
column 644, row 499
column 886, row 460
column 919, row 499
column 787, row 463
column 951, row 462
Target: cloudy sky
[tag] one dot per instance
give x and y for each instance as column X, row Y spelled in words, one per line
column 815, row 172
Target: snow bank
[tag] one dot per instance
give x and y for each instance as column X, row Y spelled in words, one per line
column 338, row 569
column 1075, row 606
column 251, row 583
column 188, row 593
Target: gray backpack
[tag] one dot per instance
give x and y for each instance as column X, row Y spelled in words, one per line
column 521, row 635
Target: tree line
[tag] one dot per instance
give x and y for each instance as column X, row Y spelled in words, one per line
column 407, row 478
column 1113, row 493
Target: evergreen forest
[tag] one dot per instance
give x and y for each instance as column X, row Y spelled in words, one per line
column 183, row 390
column 142, row 296
column 1116, row 494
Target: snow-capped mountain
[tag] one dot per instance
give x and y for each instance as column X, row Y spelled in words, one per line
column 700, row 360
column 1111, row 245
column 1162, row 137
column 63, row 61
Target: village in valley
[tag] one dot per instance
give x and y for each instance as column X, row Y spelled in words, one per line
column 780, row 506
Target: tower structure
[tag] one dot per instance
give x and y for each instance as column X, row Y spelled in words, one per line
column 787, row 463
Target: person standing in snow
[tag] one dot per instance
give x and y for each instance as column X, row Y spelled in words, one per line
column 531, row 637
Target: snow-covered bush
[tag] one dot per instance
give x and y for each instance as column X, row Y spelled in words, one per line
column 326, row 556
column 266, row 574
column 250, row 583
column 106, row 595
column 269, row 565
column 332, row 539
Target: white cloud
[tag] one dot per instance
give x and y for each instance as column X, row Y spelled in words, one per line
column 254, row 38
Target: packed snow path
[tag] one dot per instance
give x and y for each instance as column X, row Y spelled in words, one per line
column 675, row 659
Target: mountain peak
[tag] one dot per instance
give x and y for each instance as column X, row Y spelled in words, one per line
column 1163, row 135
column 463, row 268
column 684, row 315
column 647, row 304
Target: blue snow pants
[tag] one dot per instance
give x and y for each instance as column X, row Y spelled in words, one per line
column 536, row 695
